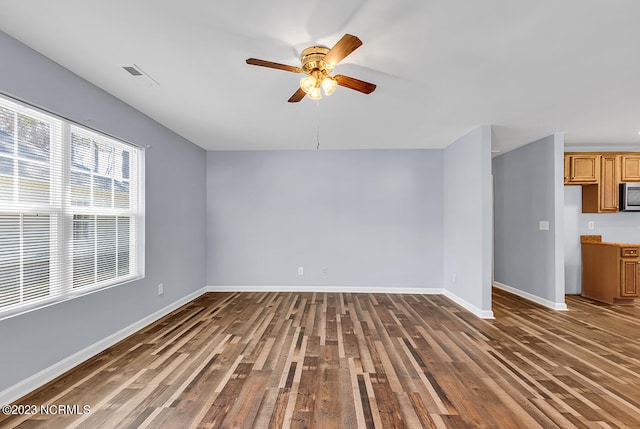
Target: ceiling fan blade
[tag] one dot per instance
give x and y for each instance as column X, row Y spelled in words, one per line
column 272, row 65
column 297, row 96
column 340, row 50
column 355, row 84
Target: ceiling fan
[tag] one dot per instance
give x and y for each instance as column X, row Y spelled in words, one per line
column 318, row 63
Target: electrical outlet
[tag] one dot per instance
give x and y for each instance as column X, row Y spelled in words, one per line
column 544, row 225
column 324, row 271
column 160, row 289
column 301, row 271
column 454, row 278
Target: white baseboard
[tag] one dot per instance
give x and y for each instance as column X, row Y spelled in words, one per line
column 358, row 289
column 483, row 314
column 345, row 289
column 20, row 389
column 561, row 306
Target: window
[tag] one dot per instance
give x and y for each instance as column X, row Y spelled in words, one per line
column 70, row 209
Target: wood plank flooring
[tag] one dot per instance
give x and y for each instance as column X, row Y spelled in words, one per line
column 342, row 360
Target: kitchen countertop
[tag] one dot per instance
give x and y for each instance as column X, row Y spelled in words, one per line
column 597, row 239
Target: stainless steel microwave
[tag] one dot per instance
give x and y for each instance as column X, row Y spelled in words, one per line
column 629, row 197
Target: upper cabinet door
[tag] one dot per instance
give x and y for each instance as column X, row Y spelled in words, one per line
column 608, row 188
column 584, row 169
column 630, row 168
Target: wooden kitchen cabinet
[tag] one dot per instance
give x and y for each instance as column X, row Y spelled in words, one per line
column 603, row 197
column 609, row 183
column 630, row 168
column 600, row 175
column 630, row 276
column 610, row 271
column 583, row 168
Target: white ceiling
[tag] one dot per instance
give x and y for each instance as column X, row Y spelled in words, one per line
column 443, row 67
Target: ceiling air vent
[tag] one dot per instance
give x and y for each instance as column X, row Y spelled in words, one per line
column 139, row 74
column 133, row 70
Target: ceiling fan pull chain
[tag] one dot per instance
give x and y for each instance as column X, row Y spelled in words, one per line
column 318, row 125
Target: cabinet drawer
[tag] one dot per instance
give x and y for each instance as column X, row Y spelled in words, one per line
column 629, row 252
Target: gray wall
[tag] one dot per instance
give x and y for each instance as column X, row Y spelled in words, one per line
column 175, row 220
column 467, row 214
column 372, row 218
column 616, row 227
column 528, row 189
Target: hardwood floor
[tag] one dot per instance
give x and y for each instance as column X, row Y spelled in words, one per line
column 341, row 360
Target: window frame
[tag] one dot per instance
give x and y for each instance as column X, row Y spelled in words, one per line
column 62, row 212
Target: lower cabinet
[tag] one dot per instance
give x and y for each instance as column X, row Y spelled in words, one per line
column 630, row 272
column 610, row 271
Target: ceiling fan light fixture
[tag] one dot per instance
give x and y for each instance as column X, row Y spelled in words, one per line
column 329, row 84
column 307, row 84
column 315, row 93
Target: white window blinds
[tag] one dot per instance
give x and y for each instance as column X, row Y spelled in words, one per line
column 69, row 209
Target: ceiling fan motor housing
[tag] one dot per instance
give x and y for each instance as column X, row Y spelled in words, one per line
column 312, row 59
